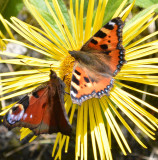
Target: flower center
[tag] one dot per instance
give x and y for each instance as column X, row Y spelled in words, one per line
column 66, row 68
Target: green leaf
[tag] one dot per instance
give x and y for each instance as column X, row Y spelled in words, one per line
column 146, row 3
column 84, row 9
column 41, row 6
column 111, row 8
column 140, row 14
column 10, row 8
column 43, row 10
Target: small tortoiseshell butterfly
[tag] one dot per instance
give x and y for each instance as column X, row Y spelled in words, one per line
column 42, row 110
column 97, row 62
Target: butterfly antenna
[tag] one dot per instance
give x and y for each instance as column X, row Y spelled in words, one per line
column 52, row 67
column 67, row 35
column 32, row 67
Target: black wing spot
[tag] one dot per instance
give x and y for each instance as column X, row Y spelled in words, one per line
column 15, row 109
column 86, row 79
column 108, row 26
column 75, row 80
column 77, row 72
column 117, row 20
column 100, row 34
column 24, row 101
column 35, row 94
column 107, row 52
column 109, row 41
column 104, row 46
column 74, row 89
column 94, row 41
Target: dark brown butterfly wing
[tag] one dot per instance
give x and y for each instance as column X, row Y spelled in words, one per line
column 42, row 110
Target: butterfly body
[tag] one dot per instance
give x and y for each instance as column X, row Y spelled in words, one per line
column 97, row 62
column 42, row 110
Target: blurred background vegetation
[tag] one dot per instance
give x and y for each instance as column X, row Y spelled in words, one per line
column 40, row 149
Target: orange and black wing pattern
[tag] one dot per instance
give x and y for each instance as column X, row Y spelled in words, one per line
column 98, row 61
column 108, row 40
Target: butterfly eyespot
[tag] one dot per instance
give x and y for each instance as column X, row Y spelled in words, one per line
column 15, row 109
column 40, row 114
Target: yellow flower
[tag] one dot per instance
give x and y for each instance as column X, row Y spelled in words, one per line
column 2, row 36
column 68, row 32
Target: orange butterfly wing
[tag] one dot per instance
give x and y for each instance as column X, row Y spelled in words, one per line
column 100, row 59
column 81, row 85
column 108, row 40
column 86, row 84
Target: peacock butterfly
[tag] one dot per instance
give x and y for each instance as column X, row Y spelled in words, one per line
column 42, row 110
column 97, row 62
